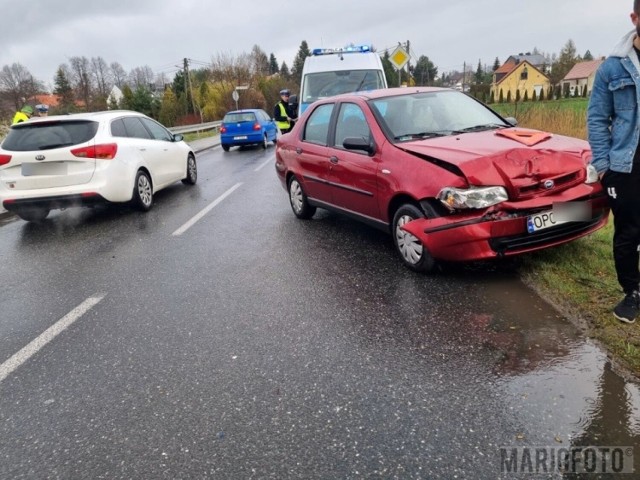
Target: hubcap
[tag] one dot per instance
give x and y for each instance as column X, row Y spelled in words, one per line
column 410, row 247
column 144, row 189
column 295, row 194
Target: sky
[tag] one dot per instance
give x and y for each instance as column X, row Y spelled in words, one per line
column 42, row 34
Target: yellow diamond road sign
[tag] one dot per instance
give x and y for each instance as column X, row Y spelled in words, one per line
column 399, row 57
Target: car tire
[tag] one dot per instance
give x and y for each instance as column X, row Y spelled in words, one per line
column 142, row 192
column 225, row 147
column 265, row 141
column 412, row 252
column 33, row 214
column 192, row 171
column 298, row 200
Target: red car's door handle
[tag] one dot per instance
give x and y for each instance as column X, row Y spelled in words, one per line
column 298, row 150
column 333, row 159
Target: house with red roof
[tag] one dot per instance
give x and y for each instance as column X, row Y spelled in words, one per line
column 581, row 76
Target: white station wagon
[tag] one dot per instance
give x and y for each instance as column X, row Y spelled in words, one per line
column 89, row 158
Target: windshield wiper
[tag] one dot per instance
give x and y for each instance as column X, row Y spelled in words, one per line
column 411, row 136
column 480, row 128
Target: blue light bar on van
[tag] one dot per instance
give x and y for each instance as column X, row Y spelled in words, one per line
column 347, row 49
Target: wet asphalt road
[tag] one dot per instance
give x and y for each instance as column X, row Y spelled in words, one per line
column 255, row 345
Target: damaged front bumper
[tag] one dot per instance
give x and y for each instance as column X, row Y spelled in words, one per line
column 502, row 230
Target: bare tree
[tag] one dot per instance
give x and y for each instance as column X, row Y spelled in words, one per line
column 102, row 76
column 119, row 75
column 141, row 77
column 233, row 69
column 17, row 84
column 81, row 78
column 260, row 61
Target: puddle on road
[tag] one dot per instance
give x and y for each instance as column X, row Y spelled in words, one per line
column 552, row 375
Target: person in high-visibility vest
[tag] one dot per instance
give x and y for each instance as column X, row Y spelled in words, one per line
column 23, row 115
column 282, row 113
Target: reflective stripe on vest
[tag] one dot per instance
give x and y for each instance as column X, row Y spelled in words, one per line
column 283, row 113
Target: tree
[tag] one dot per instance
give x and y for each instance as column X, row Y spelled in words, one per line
column 587, row 57
column 501, row 97
column 496, row 65
column 424, row 72
column 170, row 109
column 526, row 96
column 260, row 61
column 479, row 75
column 541, row 98
column 298, row 62
column 81, row 79
column 284, row 71
column 141, row 77
column 118, row 74
column 273, row 65
column 17, row 84
column 565, row 62
column 101, row 76
column 126, row 102
column 508, row 96
column 63, row 88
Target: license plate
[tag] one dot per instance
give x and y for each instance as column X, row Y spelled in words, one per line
column 241, row 137
column 541, row 221
column 49, row 168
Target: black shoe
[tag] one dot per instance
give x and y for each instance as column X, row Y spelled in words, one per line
column 627, row 310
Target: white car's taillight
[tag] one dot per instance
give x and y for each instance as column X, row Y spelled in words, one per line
column 4, row 159
column 105, row 151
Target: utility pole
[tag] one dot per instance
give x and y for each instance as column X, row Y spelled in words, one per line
column 464, row 74
column 408, row 62
column 188, row 85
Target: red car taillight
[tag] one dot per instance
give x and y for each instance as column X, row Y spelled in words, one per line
column 4, row 159
column 101, row 152
column 223, row 129
column 256, row 126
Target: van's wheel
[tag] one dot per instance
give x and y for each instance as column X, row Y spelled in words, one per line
column 142, row 192
column 411, row 250
column 33, row 214
column 192, row 171
column 299, row 204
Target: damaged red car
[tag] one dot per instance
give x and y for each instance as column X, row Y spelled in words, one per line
column 449, row 178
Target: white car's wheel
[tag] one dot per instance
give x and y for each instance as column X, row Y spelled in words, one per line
column 143, row 191
column 192, row 171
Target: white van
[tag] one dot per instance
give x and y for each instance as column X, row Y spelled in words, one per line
column 329, row 71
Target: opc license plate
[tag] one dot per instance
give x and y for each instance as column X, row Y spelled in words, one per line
column 240, row 137
column 541, row 221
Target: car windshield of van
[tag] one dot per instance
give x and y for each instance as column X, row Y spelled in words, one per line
column 327, row 84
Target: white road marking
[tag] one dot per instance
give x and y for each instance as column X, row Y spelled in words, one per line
column 265, row 163
column 45, row 337
column 204, row 211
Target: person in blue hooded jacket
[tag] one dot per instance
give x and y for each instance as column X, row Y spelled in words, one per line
column 613, row 124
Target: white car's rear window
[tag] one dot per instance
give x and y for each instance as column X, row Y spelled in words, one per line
column 37, row 136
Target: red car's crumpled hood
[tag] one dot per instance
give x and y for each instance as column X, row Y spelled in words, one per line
column 487, row 158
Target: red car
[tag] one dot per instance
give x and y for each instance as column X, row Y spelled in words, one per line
column 449, row 178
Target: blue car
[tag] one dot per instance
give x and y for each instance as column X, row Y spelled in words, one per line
column 247, row 127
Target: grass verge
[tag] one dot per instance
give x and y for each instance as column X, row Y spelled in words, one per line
column 579, row 278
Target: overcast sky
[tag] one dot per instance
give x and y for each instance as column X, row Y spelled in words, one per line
column 42, row 34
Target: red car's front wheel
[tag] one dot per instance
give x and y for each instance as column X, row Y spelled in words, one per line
column 413, row 253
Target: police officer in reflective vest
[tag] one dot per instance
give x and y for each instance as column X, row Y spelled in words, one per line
column 282, row 112
column 23, row 115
